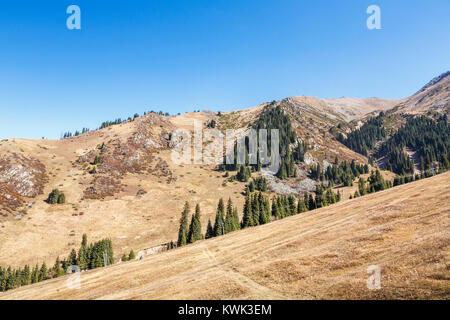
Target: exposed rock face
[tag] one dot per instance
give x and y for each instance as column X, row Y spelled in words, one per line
column 118, row 158
column 280, row 187
column 308, row 158
column 325, row 164
column 24, row 175
column 19, row 177
column 147, row 136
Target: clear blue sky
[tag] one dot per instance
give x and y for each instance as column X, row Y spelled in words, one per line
column 177, row 56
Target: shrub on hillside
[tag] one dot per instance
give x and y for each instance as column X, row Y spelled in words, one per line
column 56, row 196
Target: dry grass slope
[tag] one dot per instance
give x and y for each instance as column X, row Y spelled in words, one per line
column 323, row 254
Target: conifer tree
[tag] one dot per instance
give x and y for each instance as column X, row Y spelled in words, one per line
column 72, row 260
column 229, row 225
column 53, row 196
column 236, row 224
column 198, row 225
column 61, row 198
column 274, row 207
column 247, row 218
column 183, row 231
column 42, row 272
column 219, row 223
column 301, row 207
column 26, row 275
column 292, row 205
column 190, row 236
column 209, row 230
column 311, row 203
column 131, row 255
column 255, row 209
column 57, row 270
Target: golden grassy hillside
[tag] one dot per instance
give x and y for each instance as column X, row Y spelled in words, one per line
column 131, row 220
column 322, row 254
column 138, row 209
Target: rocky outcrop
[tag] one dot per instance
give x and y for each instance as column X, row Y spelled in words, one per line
column 20, row 177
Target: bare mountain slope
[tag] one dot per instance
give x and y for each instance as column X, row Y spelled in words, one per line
column 321, row 254
column 342, row 109
column 434, row 96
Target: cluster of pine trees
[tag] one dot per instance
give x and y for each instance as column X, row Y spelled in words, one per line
column 275, row 118
column 338, row 173
column 69, row 134
column 14, row 278
column 244, row 173
column 398, row 180
column 374, row 183
column 256, row 210
column 287, row 166
column 363, row 140
column 131, row 256
column 399, row 162
column 56, row 196
column 189, row 233
column 429, row 138
column 258, row 184
column 89, row 257
column 227, row 220
column 106, row 124
column 271, row 118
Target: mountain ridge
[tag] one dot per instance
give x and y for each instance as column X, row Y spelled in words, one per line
column 117, row 199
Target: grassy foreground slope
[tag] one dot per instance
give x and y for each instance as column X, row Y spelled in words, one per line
column 315, row 255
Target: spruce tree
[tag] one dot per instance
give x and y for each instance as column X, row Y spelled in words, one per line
column 62, row 198
column 219, row 223
column 43, row 272
column 53, row 196
column 72, row 260
column 236, row 224
column 190, row 236
column 131, row 255
column 229, row 225
column 26, row 275
column 198, row 225
column 255, row 209
column 182, row 233
column 247, row 218
column 275, row 207
column 209, row 230
column 57, row 270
